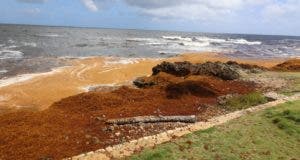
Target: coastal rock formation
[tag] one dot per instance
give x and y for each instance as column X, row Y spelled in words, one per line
column 248, row 67
column 160, row 79
column 168, row 73
column 226, row 71
column 177, row 68
column 217, row 69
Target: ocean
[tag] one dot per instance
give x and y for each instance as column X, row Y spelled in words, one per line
column 31, row 49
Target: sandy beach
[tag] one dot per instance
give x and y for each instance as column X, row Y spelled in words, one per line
column 65, row 110
column 38, row 91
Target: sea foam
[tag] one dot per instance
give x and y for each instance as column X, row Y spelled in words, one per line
column 25, row 77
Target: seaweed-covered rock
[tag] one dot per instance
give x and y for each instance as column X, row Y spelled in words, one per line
column 248, row 67
column 141, row 82
column 217, row 69
column 177, row 68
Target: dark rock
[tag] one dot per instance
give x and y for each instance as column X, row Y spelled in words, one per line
column 249, row 67
column 141, row 83
column 217, row 69
column 177, row 68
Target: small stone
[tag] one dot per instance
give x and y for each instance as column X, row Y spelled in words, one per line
column 100, row 118
column 118, row 134
column 111, row 128
column 87, row 136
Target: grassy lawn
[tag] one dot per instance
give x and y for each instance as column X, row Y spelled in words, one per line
column 270, row 134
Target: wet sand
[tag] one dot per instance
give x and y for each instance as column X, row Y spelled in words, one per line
column 42, row 90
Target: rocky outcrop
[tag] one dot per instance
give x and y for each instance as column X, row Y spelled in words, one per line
column 177, row 68
column 248, row 67
column 217, row 69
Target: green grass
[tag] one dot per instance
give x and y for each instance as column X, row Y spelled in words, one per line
column 267, row 135
column 245, row 101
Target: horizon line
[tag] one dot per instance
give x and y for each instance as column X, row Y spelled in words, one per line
column 162, row 30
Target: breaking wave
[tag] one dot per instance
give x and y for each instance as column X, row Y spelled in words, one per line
column 9, row 54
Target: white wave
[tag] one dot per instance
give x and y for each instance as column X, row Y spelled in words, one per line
column 11, row 46
column 32, row 44
column 167, row 52
column 178, row 38
column 3, row 71
column 11, row 41
column 207, row 39
column 195, row 44
column 25, row 77
column 243, row 41
column 141, row 39
column 50, row 35
column 115, row 60
column 156, row 43
column 93, row 87
column 8, row 54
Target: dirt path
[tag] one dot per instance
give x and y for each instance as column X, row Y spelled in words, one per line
column 129, row 148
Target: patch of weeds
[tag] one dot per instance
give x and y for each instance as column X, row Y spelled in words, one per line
column 287, row 120
column 245, row 101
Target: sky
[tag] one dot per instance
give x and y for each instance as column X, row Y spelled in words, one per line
column 272, row 17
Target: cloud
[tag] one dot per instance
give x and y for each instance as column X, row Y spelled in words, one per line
column 33, row 1
column 31, row 11
column 278, row 11
column 90, row 5
column 217, row 10
column 194, row 10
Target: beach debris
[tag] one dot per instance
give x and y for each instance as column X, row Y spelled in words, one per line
column 153, row 119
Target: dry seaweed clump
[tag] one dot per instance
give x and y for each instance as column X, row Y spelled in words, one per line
column 76, row 124
column 289, row 65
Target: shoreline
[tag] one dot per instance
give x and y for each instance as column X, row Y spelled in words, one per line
column 55, row 116
column 40, row 90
